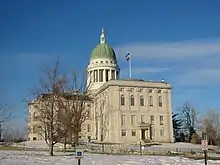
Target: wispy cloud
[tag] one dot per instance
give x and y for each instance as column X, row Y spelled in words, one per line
column 201, row 77
column 185, row 63
column 173, row 50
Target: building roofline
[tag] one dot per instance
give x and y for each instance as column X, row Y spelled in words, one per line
column 139, row 83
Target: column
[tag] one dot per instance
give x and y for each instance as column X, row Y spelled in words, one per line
column 90, row 77
column 116, row 75
column 98, row 75
column 110, row 74
column 88, row 81
column 147, row 134
column 104, row 75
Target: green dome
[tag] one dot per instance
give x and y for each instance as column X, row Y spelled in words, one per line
column 103, row 50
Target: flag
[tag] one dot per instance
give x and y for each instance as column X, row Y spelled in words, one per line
column 128, row 56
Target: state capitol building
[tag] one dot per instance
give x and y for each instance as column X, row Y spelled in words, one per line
column 132, row 110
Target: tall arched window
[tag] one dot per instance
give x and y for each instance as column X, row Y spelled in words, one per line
column 151, row 100
column 132, row 100
column 122, row 100
column 160, row 101
column 141, row 100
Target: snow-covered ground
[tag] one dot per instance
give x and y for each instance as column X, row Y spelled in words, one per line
column 42, row 145
column 41, row 158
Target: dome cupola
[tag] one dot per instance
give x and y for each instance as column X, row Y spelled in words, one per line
column 103, row 50
column 102, row 65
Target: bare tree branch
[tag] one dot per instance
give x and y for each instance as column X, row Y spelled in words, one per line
column 188, row 117
column 75, row 107
column 44, row 111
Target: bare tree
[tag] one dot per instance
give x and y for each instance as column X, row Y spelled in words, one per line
column 45, row 117
column 210, row 126
column 76, row 109
column 5, row 115
column 12, row 135
column 188, row 117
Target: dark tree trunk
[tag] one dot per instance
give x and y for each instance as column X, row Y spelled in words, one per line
column 51, row 148
column 64, row 145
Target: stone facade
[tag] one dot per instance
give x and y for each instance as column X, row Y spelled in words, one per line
column 135, row 110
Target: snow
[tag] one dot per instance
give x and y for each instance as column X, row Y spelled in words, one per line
column 184, row 145
column 42, row 158
column 39, row 144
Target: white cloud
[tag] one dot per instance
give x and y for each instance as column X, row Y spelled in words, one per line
column 207, row 76
column 175, row 50
column 185, row 63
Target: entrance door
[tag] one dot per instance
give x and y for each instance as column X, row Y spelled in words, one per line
column 143, row 134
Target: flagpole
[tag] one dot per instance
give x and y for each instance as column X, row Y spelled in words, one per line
column 130, row 66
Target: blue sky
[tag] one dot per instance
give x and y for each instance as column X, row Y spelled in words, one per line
column 175, row 40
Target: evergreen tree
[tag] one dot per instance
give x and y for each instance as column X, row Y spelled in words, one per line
column 177, row 124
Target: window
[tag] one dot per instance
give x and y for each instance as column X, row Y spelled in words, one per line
column 150, row 90
column 132, row 100
column 161, row 132
column 142, row 119
column 160, row 101
column 122, row 119
column 133, row 133
column 100, row 75
column 34, row 138
column 88, row 128
column 152, row 120
column 151, row 100
column 159, row 91
column 141, row 100
column 122, row 100
column 161, row 120
column 133, row 117
column 123, row 132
